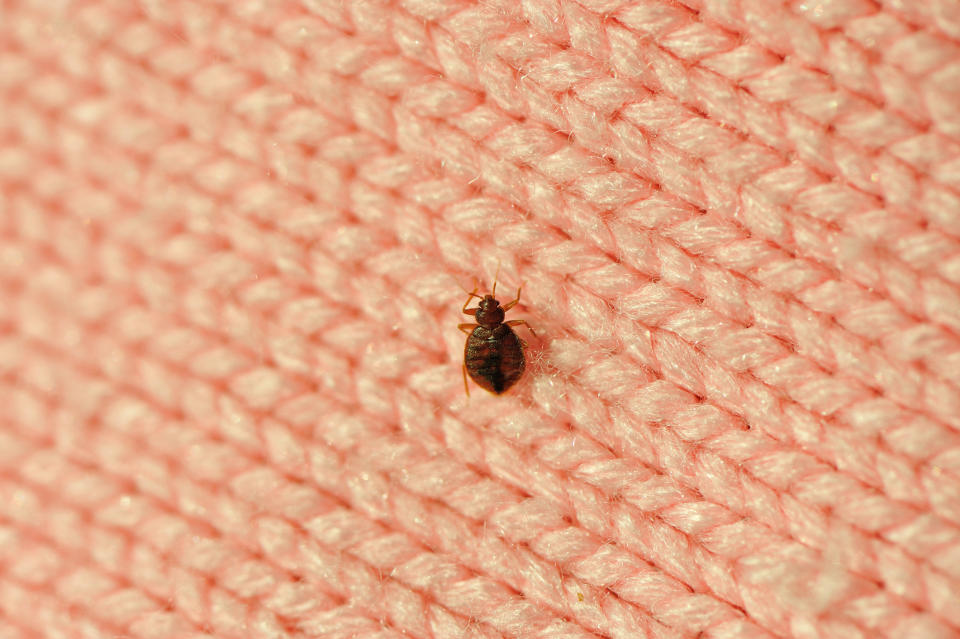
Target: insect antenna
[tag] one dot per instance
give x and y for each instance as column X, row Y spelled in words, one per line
column 472, row 293
column 496, row 276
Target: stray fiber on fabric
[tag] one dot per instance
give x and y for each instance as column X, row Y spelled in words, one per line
column 235, row 240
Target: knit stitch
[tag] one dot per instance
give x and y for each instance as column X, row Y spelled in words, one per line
column 234, row 238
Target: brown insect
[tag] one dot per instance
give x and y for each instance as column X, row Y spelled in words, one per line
column 493, row 354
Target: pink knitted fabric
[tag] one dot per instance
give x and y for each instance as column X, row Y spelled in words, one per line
column 234, row 241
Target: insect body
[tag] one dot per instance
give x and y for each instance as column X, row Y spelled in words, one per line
column 493, row 354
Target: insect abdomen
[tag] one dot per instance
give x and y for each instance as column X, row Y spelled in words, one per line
column 494, row 358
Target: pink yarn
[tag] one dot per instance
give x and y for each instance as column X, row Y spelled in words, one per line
column 233, row 237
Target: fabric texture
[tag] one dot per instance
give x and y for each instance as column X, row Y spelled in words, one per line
column 236, row 237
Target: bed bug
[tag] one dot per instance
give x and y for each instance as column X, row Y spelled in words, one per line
column 493, row 354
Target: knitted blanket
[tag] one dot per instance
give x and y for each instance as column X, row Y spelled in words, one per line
column 236, row 239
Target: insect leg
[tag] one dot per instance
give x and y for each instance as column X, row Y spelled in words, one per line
column 509, row 305
column 466, row 387
column 470, row 311
column 518, row 323
column 467, row 328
